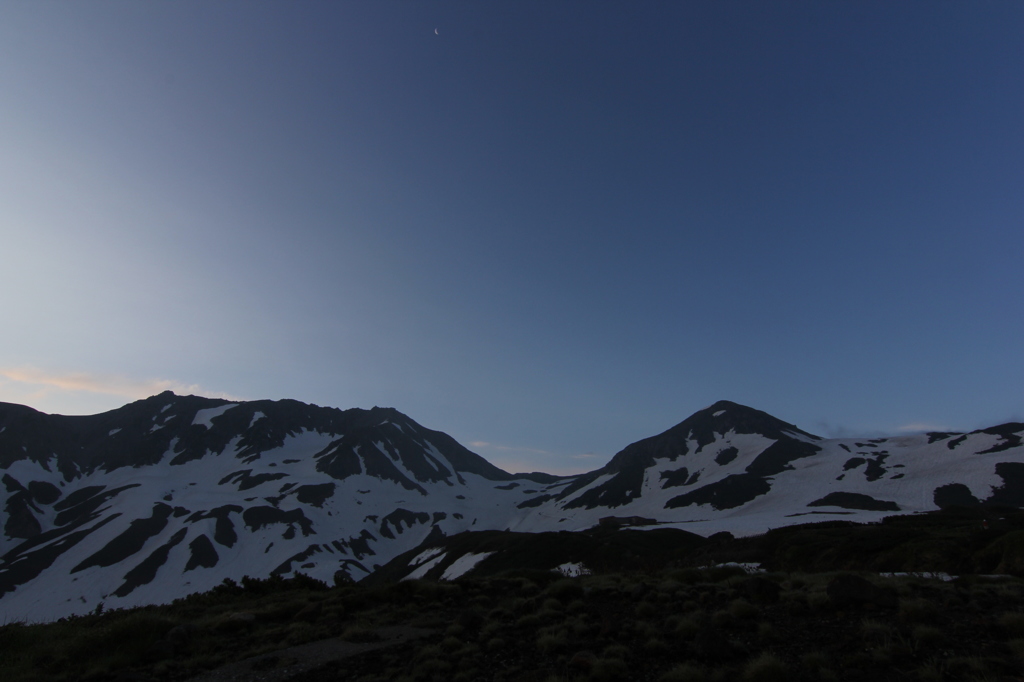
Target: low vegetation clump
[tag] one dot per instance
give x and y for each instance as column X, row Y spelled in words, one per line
column 706, row 627
column 664, row 622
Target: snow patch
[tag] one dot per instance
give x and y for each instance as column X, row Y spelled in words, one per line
column 719, row 413
column 944, row 577
column 112, row 432
column 426, row 554
column 255, row 418
column 422, row 570
column 463, row 565
column 747, row 567
column 206, row 417
column 571, row 570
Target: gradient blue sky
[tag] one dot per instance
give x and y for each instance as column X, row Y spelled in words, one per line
column 548, row 228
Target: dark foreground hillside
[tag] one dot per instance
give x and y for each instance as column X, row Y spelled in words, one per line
column 825, row 618
column 956, row 540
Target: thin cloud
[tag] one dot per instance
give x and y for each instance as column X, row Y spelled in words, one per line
column 106, row 384
column 920, row 426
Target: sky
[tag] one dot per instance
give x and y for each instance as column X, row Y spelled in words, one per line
column 548, row 229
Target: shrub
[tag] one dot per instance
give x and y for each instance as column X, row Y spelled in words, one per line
column 615, row 651
column 874, row 630
column 795, row 603
column 814, row 661
column 968, row 668
column 530, row 621
column 927, row 636
column 523, row 605
column 499, row 614
column 722, row 619
column 450, row 644
column 819, row 601
column 580, row 627
column 931, row 671
column 644, row 629
column 656, row 645
column 767, row 633
column 670, row 586
column 565, row 590
column 687, row 576
column 687, row 672
column 893, row 653
column 609, row 670
column 743, row 610
column 489, row 630
column 117, row 640
column 429, row 651
column 434, row 667
column 528, row 588
column 646, row 609
column 688, row 627
column 552, row 641
column 468, row 651
column 766, row 668
column 299, row 633
column 549, row 615
column 577, row 606
column 275, row 583
column 552, row 605
column 1012, row 623
column 917, row 611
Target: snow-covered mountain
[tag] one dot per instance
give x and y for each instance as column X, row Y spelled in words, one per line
column 171, row 495
column 730, row 467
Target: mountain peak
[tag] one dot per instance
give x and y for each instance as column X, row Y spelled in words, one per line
column 726, row 415
column 704, row 427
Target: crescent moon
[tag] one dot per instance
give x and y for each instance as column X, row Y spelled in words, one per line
column 436, row 33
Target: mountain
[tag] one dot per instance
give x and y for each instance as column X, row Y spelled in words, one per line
column 173, row 494
column 734, row 468
column 622, row 480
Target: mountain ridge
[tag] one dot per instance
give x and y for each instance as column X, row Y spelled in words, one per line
column 173, row 494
